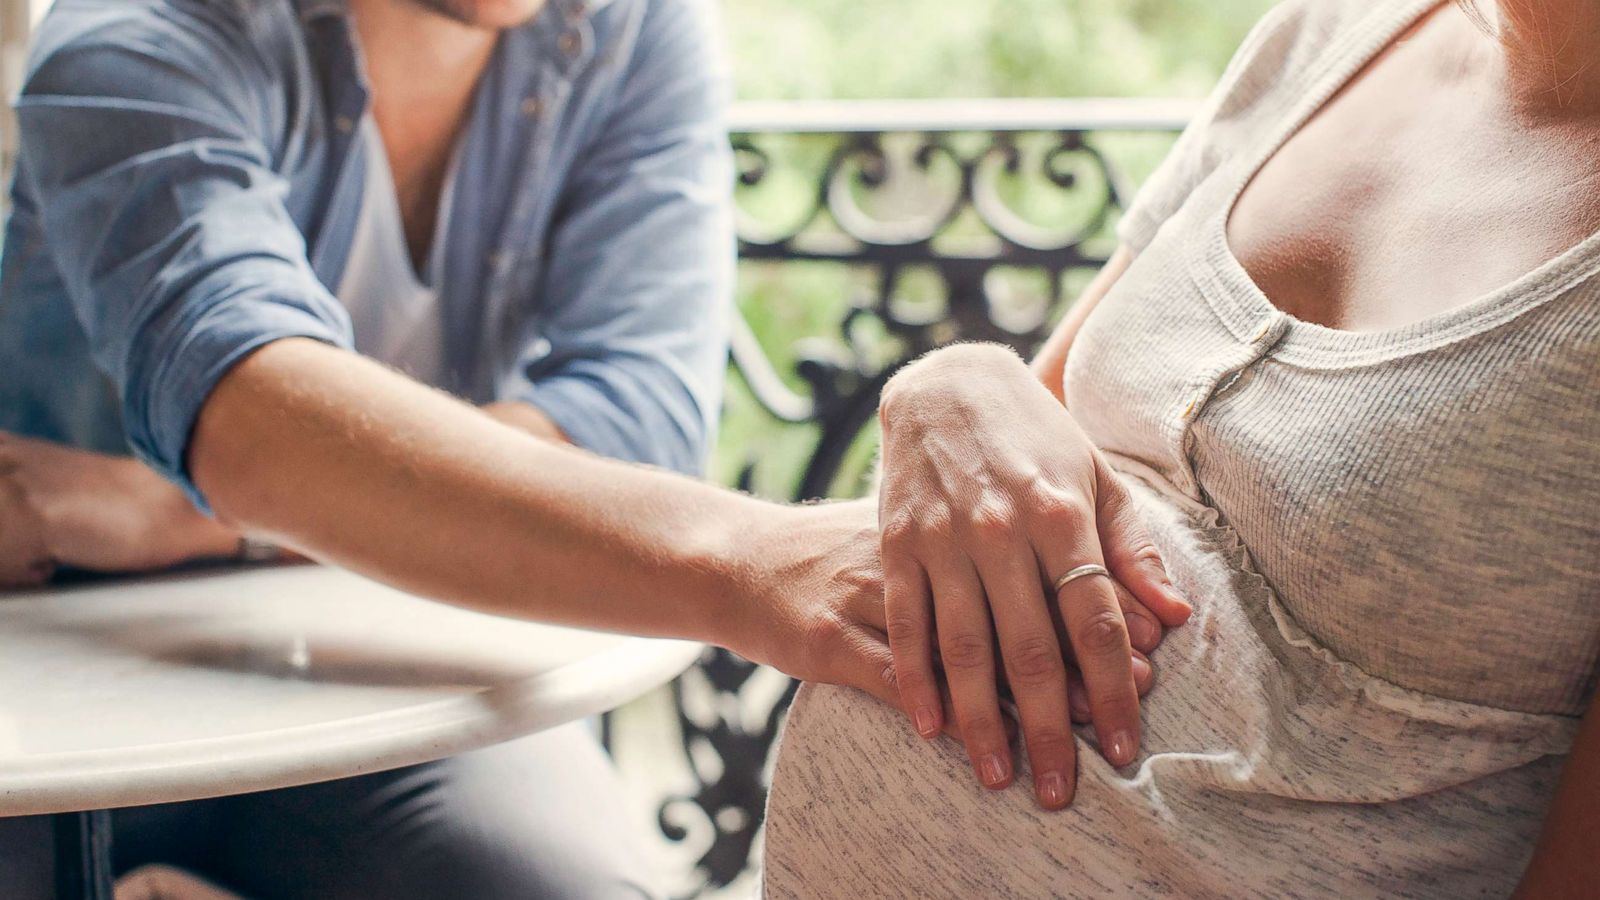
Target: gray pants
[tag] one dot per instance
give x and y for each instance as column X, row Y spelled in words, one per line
column 543, row 816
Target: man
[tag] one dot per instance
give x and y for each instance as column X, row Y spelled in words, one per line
column 217, row 201
column 522, row 203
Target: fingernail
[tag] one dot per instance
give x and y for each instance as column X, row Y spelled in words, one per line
column 1142, row 631
column 992, row 770
column 927, row 722
column 1051, row 789
column 1175, row 597
column 1120, row 748
column 1078, row 702
column 1141, row 669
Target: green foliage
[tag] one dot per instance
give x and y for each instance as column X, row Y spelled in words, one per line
column 849, row 49
column 809, row 49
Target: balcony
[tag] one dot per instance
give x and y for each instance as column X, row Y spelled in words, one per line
column 869, row 233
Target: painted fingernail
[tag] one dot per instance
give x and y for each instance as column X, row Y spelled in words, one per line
column 992, row 770
column 927, row 722
column 1051, row 789
column 1143, row 632
column 1120, row 748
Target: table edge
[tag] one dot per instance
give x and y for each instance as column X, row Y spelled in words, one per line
column 394, row 739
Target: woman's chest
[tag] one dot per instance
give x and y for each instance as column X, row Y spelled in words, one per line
column 1433, row 524
column 1407, row 196
column 1370, row 242
column 1423, row 501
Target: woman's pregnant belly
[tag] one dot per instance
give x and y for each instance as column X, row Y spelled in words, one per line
column 1269, row 768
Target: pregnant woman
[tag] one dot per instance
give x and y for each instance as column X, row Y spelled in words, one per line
column 1347, row 363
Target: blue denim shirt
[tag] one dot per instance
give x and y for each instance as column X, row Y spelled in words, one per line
column 189, row 182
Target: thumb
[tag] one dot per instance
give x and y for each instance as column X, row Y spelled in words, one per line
column 863, row 661
column 1130, row 554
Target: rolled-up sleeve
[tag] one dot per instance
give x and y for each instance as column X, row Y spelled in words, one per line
column 147, row 149
column 631, row 343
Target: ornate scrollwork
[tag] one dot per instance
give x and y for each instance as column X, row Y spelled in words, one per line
column 957, row 196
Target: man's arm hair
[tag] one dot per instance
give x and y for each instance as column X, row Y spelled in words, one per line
column 327, row 452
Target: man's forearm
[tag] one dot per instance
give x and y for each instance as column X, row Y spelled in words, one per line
column 187, row 534
column 354, row 464
column 526, row 417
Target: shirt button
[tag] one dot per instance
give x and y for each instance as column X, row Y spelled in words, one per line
column 531, row 106
column 568, row 43
column 1188, row 408
column 1262, row 334
column 344, row 123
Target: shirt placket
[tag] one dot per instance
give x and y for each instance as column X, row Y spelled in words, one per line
column 346, row 95
column 1216, row 373
column 545, row 103
column 512, row 260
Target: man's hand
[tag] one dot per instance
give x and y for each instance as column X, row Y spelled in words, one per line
column 62, row 506
column 812, row 596
column 24, row 558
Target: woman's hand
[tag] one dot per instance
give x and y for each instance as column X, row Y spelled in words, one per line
column 990, row 494
column 63, row 506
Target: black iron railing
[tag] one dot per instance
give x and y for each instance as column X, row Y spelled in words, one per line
column 939, row 221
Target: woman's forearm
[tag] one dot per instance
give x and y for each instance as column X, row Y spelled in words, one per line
column 337, row 456
column 1563, row 862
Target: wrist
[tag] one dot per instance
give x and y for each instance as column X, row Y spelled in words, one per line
column 952, row 389
column 956, row 366
column 726, row 558
column 180, row 532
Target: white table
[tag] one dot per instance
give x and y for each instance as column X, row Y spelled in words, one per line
column 131, row 692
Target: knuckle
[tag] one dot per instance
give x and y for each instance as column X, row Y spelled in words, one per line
column 1111, row 494
column 889, row 677
column 1035, row 660
column 1104, row 632
column 966, row 652
column 1048, row 742
column 861, row 595
column 824, row 632
column 990, row 518
column 911, row 678
column 982, row 729
column 1058, row 508
column 934, row 523
column 899, row 530
column 1140, row 552
column 904, row 630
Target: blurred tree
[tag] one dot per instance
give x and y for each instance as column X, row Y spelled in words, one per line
column 878, row 49
column 811, row 49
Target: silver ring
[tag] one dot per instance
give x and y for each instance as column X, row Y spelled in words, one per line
column 1083, row 571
